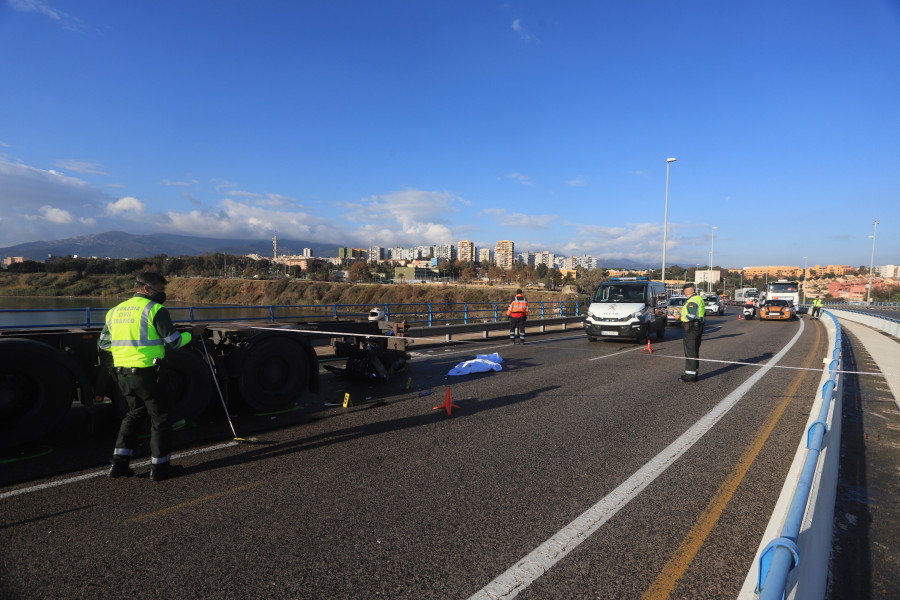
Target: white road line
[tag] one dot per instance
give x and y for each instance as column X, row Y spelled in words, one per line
column 541, row 559
column 76, row 479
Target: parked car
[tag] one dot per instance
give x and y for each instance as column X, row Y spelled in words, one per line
column 777, row 310
column 714, row 305
column 673, row 311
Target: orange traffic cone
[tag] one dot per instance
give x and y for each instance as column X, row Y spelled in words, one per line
column 447, row 403
column 740, row 317
column 648, row 348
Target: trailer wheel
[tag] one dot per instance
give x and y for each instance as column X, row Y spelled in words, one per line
column 185, row 380
column 274, row 372
column 36, row 390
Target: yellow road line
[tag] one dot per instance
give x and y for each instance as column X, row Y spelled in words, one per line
column 197, row 501
column 678, row 565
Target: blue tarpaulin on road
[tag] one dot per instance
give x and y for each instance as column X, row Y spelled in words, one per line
column 481, row 364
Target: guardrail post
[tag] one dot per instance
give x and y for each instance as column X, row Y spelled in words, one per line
column 560, row 308
column 430, row 315
column 272, row 312
column 765, row 559
column 465, row 313
column 88, row 316
column 496, row 317
column 191, row 314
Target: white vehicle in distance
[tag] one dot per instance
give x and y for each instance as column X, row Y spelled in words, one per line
column 715, row 307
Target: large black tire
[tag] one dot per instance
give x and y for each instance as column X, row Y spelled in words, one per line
column 274, row 372
column 185, row 379
column 36, row 390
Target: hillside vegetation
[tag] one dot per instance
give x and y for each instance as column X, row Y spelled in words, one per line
column 247, row 292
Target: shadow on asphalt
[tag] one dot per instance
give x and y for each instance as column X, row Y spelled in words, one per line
column 468, row 407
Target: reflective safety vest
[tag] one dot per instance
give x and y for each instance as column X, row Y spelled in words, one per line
column 817, row 303
column 694, row 309
column 518, row 308
column 134, row 341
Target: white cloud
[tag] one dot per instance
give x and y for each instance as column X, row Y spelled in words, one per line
column 179, row 183
column 576, row 182
column 125, row 205
column 39, row 6
column 81, row 166
column 51, row 214
column 523, row 179
column 520, row 220
column 523, row 33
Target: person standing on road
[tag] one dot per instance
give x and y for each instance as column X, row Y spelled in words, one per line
column 137, row 333
column 693, row 318
column 816, row 308
column 517, row 313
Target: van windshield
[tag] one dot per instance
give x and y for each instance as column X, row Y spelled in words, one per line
column 621, row 293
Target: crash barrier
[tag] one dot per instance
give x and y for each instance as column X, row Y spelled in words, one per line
column 794, row 562
column 857, row 304
column 426, row 314
column 886, row 324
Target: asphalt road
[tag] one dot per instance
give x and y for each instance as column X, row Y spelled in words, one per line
column 586, row 461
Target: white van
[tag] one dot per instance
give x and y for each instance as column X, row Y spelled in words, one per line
column 627, row 307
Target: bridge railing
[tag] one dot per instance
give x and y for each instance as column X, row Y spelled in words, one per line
column 424, row 314
column 806, row 526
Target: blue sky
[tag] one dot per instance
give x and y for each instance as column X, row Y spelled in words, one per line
column 422, row 122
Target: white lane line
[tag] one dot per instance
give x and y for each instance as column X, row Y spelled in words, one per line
column 77, row 478
column 541, row 559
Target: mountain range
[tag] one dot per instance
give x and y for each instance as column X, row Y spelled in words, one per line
column 118, row 244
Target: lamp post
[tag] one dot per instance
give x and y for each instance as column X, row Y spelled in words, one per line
column 872, row 262
column 711, row 250
column 666, row 221
column 803, row 289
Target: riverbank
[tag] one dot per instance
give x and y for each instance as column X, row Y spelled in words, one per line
column 252, row 292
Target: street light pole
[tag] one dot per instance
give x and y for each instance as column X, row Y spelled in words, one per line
column 711, row 250
column 872, row 262
column 666, row 221
column 803, row 289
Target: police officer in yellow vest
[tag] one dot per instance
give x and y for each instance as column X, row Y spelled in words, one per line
column 693, row 318
column 137, row 333
column 816, row 308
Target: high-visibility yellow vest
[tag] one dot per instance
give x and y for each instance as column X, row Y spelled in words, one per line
column 134, row 341
column 700, row 312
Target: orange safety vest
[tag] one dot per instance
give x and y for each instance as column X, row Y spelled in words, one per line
column 518, row 308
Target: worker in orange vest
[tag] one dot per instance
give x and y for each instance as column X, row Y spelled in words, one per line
column 517, row 313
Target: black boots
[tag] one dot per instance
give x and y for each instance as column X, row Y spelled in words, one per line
column 161, row 471
column 120, row 468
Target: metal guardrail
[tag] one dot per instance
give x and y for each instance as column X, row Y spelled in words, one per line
column 782, row 554
column 425, row 314
column 889, row 325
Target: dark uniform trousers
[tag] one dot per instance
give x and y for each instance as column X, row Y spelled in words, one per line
column 517, row 324
column 693, row 332
column 145, row 397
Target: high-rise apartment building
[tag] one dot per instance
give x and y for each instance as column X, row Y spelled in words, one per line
column 376, row 253
column 466, row 251
column 484, row 255
column 445, row 252
column 504, row 254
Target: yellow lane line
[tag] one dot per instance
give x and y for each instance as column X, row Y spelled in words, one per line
column 197, row 501
column 677, row 566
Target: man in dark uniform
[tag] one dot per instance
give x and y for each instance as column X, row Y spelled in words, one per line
column 137, row 333
column 693, row 317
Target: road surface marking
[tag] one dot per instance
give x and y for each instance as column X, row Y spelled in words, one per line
column 197, row 501
column 544, row 557
column 665, row 582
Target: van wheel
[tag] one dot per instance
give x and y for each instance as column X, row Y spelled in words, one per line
column 644, row 335
column 592, row 338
